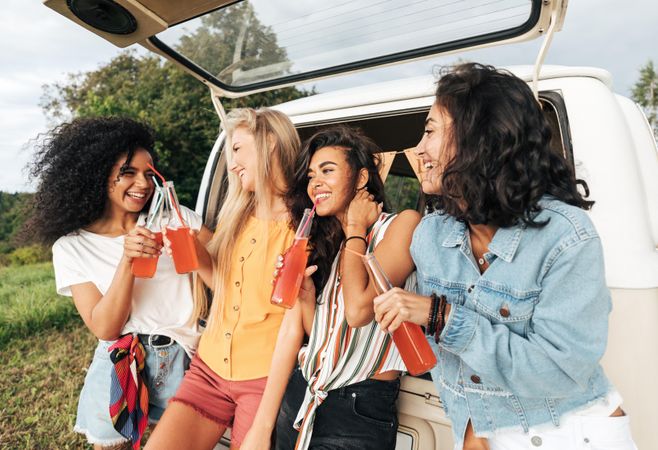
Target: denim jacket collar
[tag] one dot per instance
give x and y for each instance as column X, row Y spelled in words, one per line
column 504, row 244
column 456, row 236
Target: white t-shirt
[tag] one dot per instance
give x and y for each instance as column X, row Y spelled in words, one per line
column 161, row 305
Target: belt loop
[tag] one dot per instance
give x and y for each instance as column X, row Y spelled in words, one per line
column 342, row 392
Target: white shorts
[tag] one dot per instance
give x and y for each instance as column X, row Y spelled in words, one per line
column 576, row 432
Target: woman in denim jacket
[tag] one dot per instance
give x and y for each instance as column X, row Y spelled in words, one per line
column 510, row 276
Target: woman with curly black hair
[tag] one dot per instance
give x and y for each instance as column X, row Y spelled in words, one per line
column 94, row 184
column 510, row 276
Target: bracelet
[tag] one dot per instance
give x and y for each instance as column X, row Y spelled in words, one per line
column 354, row 252
column 356, row 237
column 432, row 318
column 443, row 303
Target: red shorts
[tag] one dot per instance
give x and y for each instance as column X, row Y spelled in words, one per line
column 232, row 404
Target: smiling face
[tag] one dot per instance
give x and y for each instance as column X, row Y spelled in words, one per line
column 330, row 181
column 129, row 192
column 435, row 149
column 244, row 161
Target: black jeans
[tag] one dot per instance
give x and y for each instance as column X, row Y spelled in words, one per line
column 357, row 417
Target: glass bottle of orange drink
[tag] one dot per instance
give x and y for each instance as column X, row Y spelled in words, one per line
column 291, row 274
column 183, row 250
column 409, row 337
column 146, row 267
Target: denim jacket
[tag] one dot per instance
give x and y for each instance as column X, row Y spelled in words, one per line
column 523, row 341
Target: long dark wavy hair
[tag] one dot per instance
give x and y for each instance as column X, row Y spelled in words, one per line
column 326, row 232
column 72, row 164
column 502, row 163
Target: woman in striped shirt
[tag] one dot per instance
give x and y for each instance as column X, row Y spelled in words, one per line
column 343, row 393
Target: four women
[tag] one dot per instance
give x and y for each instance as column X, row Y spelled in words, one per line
column 510, row 284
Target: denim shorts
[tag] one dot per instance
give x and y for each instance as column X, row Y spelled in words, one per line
column 361, row 416
column 165, row 367
column 232, row 404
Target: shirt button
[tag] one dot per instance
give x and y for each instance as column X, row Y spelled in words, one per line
column 227, row 335
column 475, row 379
column 536, row 441
column 241, row 258
column 236, row 307
column 253, row 241
column 226, row 360
column 237, row 284
column 470, row 289
column 504, row 312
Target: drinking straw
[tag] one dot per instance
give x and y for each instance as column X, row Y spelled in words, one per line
column 180, row 217
column 160, row 197
column 310, row 216
column 157, row 173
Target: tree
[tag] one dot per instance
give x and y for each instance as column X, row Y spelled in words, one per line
column 14, row 209
column 645, row 93
column 174, row 103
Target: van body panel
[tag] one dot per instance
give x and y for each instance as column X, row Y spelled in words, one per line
column 631, row 359
column 647, row 158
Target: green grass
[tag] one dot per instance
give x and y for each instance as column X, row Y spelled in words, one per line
column 42, row 375
column 45, row 350
column 29, row 304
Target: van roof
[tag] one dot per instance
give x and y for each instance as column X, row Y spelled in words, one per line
column 416, row 88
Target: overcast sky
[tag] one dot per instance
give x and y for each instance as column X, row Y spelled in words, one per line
column 39, row 46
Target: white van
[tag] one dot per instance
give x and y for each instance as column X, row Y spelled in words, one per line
column 603, row 135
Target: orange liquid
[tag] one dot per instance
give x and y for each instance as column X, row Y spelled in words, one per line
column 291, row 275
column 414, row 348
column 145, row 267
column 183, row 250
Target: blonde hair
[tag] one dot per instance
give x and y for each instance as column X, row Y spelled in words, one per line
column 272, row 130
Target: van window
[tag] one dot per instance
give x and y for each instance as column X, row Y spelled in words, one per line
column 266, row 43
column 556, row 114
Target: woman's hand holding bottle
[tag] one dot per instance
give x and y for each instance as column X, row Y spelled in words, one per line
column 397, row 305
column 167, row 243
column 307, row 288
column 140, row 242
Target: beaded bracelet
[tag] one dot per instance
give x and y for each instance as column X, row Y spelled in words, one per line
column 441, row 319
column 432, row 318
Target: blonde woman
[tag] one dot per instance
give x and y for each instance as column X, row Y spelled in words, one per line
column 227, row 376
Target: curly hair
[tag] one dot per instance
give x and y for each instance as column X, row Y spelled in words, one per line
column 326, row 232
column 73, row 163
column 502, row 163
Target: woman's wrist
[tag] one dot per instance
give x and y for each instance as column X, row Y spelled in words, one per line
column 355, row 229
column 125, row 261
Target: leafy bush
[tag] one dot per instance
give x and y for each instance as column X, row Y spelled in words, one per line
column 31, row 254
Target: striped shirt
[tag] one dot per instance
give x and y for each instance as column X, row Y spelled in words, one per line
column 338, row 355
